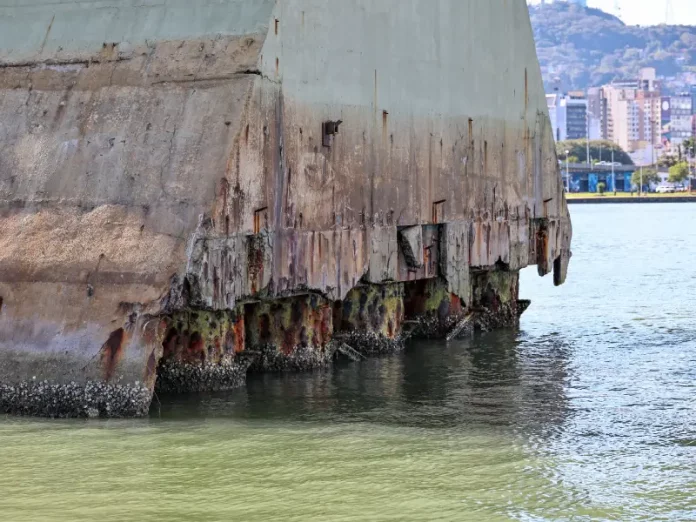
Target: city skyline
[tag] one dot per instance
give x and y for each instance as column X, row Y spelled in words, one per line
column 647, row 12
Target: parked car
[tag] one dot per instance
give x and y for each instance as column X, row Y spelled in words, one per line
column 665, row 189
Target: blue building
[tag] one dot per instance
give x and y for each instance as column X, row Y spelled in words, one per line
column 586, row 179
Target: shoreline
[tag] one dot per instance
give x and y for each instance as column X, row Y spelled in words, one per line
column 631, row 200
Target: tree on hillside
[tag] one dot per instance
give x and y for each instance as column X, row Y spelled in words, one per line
column 600, row 150
column 581, row 47
column 679, row 173
column 649, row 177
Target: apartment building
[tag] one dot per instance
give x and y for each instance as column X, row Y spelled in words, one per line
column 568, row 114
column 576, row 115
column 633, row 112
column 678, row 124
column 597, row 113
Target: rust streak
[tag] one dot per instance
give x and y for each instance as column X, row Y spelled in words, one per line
column 151, row 366
column 112, row 352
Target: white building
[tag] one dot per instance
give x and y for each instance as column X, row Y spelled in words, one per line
column 679, row 109
column 568, row 115
column 633, row 113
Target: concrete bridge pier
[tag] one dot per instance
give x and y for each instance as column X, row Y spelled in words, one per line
column 191, row 190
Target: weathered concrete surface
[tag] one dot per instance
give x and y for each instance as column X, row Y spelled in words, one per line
column 169, row 159
column 432, row 310
column 290, row 334
column 370, row 319
column 202, row 351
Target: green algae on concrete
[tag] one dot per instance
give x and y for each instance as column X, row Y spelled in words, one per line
column 289, row 334
column 496, row 299
column 202, row 351
column 371, row 318
column 431, row 309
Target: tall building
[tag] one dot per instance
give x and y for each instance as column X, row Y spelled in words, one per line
column 620, row 114
column 678, row 123
column 634, row 112
column 568, row 114
column 597, row 113
column 576, row 115
column 648, row 114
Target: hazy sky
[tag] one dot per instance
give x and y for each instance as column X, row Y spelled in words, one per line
column 648, row 12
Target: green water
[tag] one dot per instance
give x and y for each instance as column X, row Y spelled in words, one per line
column 587, row 413
column 222, row 470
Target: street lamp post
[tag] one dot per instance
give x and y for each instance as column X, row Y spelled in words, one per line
column 567, row 172
column 652, row 140
column 691, row 165
column 613, row 174
column 652, row 152
column 587, row 119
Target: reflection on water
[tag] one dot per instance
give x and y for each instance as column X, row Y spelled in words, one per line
column 470, row 384
column 586, row 414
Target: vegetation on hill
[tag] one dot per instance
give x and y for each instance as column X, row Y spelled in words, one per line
column 600, row 150
column 584, row 47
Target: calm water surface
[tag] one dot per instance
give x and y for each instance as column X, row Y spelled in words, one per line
column 587, row 413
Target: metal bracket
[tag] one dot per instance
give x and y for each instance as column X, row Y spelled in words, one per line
column 329, row 129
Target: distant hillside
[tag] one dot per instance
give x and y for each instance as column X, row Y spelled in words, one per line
column 585, row 47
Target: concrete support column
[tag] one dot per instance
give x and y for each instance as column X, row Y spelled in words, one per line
column 203, row 351
column 371, row 317
column 432, row 311
column 496, row 299
column 289, row 334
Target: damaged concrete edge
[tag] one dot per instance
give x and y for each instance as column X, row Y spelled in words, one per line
column 198, row 342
